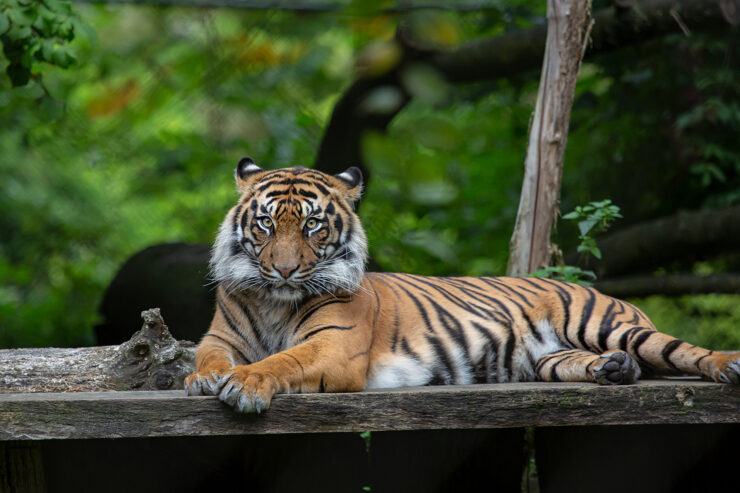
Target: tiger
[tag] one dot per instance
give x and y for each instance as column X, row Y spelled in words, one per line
column 296, row 311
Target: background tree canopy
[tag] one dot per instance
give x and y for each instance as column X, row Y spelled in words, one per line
column 121, row 127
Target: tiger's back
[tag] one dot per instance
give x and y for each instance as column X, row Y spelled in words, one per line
column 296, row 313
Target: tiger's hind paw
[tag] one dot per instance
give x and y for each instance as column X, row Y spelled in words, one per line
column 209, row 382
column 616, row 368
column 730, row 371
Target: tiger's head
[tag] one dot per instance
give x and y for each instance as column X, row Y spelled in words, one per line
column 292, row 234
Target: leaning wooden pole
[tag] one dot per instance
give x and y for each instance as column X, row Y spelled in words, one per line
column 568, row 26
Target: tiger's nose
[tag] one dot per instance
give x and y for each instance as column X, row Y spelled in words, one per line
column 285, row 270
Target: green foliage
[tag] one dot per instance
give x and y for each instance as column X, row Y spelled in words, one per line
column 135, row 144
column 593, row 219
column 709, row 321
column 36, row 31
column 567, row 273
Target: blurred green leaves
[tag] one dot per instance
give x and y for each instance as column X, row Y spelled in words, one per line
column 38, row 31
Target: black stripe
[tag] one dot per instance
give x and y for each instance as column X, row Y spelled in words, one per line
column 451, row 325
column 477, row 293
column 229, row 320
column 532, row 283
column 624, row 340
column 492, row 345
column 239, row 351
column 420, row 307
column 316, row 307
column 553, row 373
column 303, row 373
column 306, row 193
column 668, row 350
column 244, row 307
column 407, row 349
column 504, row 288
column 396, row 326
column 605, row 328
column 322, row 387
column 326, row 327
column 701, row 358
column 444, row 358
column 509, row 355
column 361, row 353
column 456, row 300
column 645, row 333
column 585, row 317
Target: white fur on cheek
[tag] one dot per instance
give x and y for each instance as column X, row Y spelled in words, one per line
column 227, row 268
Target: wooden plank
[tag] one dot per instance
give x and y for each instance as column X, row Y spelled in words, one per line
column 171, row 413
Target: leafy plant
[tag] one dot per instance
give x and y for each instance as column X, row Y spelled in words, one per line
column 36, row 31
column 593, row 219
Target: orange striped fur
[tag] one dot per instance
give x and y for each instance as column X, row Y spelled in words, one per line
column 295, row 311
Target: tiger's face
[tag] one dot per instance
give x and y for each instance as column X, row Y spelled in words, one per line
column 292, row 234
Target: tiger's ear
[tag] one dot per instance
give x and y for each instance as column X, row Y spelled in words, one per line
column 245, row 172
column 351, row 183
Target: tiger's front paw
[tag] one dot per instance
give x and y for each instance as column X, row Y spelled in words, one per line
column 249, row 392
column 207, row 382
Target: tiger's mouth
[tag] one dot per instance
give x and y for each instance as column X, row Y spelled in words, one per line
column 287, row 290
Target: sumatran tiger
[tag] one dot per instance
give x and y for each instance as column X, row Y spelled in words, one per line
column 296, row 311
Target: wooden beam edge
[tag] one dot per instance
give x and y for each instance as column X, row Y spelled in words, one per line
column 84, row 415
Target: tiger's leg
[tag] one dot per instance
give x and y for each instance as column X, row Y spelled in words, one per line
column 662, row 354
column 578, row 365
column 214, row 359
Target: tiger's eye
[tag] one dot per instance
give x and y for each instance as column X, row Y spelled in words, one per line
column 266, row 222
column 311, row 223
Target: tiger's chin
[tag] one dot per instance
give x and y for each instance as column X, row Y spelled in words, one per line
column 286, row 293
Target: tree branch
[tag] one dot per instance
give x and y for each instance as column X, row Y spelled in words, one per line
column 649, row 245
column 669, row 285
column 507, row 56
column 307, row 6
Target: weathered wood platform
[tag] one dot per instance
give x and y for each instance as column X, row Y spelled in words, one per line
column 39, row 416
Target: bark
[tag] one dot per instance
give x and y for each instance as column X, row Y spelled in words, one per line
column 509, row 55
column 151, row 360
column 308, row 7
column 568, row 26
column 171, row 413
column 669, row 285
column 646, row 246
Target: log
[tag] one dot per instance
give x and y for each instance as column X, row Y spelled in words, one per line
column 669, row 285
column 170, row 413
column 151, row 360
column 568, row 26
column 652, row 244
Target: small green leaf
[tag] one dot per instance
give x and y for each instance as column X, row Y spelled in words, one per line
column 4, row 23
column 585, row 226
column 571, row 215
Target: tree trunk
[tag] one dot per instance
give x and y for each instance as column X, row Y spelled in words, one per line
column 568, row 26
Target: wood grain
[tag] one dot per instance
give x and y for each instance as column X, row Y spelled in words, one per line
column 170, row 413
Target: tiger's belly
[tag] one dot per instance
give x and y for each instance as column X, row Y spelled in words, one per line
column 478, row 363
